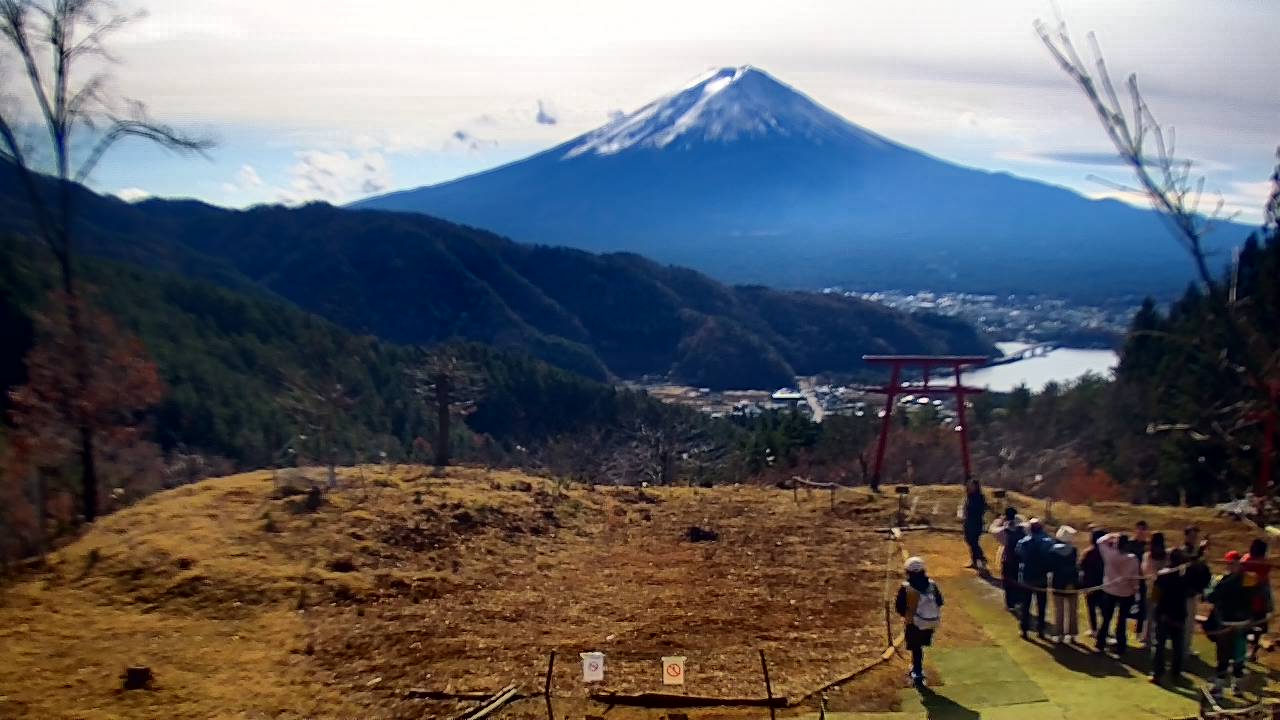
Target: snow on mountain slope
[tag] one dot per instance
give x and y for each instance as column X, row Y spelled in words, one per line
column 745, row 178
column 721, row 106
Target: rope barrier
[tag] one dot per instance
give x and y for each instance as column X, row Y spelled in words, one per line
column 824, row 485
column 1225, row 627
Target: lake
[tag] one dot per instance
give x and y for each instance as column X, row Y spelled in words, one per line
column 1061, row 365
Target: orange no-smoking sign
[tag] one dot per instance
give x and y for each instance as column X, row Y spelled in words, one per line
column 673, row 670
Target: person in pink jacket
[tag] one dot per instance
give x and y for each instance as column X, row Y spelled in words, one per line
column 1120, row 575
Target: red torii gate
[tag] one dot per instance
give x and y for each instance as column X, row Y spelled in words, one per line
column 956, row 363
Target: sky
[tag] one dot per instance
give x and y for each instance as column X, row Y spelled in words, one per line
column 309, row 104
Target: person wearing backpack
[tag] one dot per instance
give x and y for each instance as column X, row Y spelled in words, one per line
column 1035, row 557
column 1257, row 579
column 919, row 602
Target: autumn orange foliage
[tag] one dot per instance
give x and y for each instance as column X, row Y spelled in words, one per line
column 1083, row 485
column 48, row 412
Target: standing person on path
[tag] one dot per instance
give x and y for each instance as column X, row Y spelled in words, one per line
column 1230, row 600
column 975, row 511
column 1138, row 546
column 1153, row 561
column 1009, row 532
column 1119, row 586
column 919, row 602
column 1169, row 615
column 1035, row 559
column 1091, row 569
column 1196, row 578
column 1257, row 579
column 1066, row 577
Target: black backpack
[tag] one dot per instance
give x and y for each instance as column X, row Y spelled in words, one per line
column 1197, row 578
column 1013, row 536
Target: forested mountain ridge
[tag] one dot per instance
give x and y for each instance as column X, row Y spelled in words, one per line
column 230, row 361
column 413, row 279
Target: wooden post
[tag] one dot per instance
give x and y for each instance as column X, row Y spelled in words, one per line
column 551, row 666
column 768, row 687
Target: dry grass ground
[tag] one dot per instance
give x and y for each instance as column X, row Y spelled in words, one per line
column 246, row 605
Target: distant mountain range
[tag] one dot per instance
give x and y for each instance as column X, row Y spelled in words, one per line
column 742, row 177
column 412, row 279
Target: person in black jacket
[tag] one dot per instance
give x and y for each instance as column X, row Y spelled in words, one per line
column 1035, row 562
column 919, row 602
column 1196, row 578
column 975, row 511
column 1169, row 614
column 1011, row 531
column 1225, row 624
column 1091, row 571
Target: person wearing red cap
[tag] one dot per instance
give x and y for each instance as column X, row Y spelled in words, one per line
column 1230, row 600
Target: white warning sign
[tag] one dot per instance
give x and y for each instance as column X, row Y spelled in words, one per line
column 673, row 670
column 592, row 666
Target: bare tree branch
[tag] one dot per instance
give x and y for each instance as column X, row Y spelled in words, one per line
column 50, row 37
column 161, row 135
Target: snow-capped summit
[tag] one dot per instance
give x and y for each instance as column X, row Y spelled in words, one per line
column 720, row 106
column 749, row 180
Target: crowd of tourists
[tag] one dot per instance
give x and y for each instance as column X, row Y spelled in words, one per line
column 1135, row 576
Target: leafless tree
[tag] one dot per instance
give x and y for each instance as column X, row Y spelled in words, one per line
column 451, row 385
column 660, row 451
column 1247, row 351
column 47, row 41
column 316, row 410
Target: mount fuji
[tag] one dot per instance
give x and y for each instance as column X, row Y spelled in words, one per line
column 743, row 177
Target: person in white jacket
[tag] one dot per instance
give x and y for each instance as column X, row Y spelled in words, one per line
column 1120, row 576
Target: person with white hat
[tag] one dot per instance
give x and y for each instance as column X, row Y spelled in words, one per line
column 1066, row 581
column 919, row 602
column 1035, row 558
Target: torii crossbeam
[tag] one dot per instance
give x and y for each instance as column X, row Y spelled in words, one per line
column 954, row 364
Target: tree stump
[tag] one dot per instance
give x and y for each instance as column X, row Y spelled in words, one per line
column 137, row 677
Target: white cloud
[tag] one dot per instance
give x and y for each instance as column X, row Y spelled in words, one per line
column 132, row 194
column 336, row 176
column 964, row 81
column 546, row 114
column 1241, row 202
column 247, row 177
column 1250, row 194
column 468, row 141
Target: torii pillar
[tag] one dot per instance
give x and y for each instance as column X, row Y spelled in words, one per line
column 955, row 365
